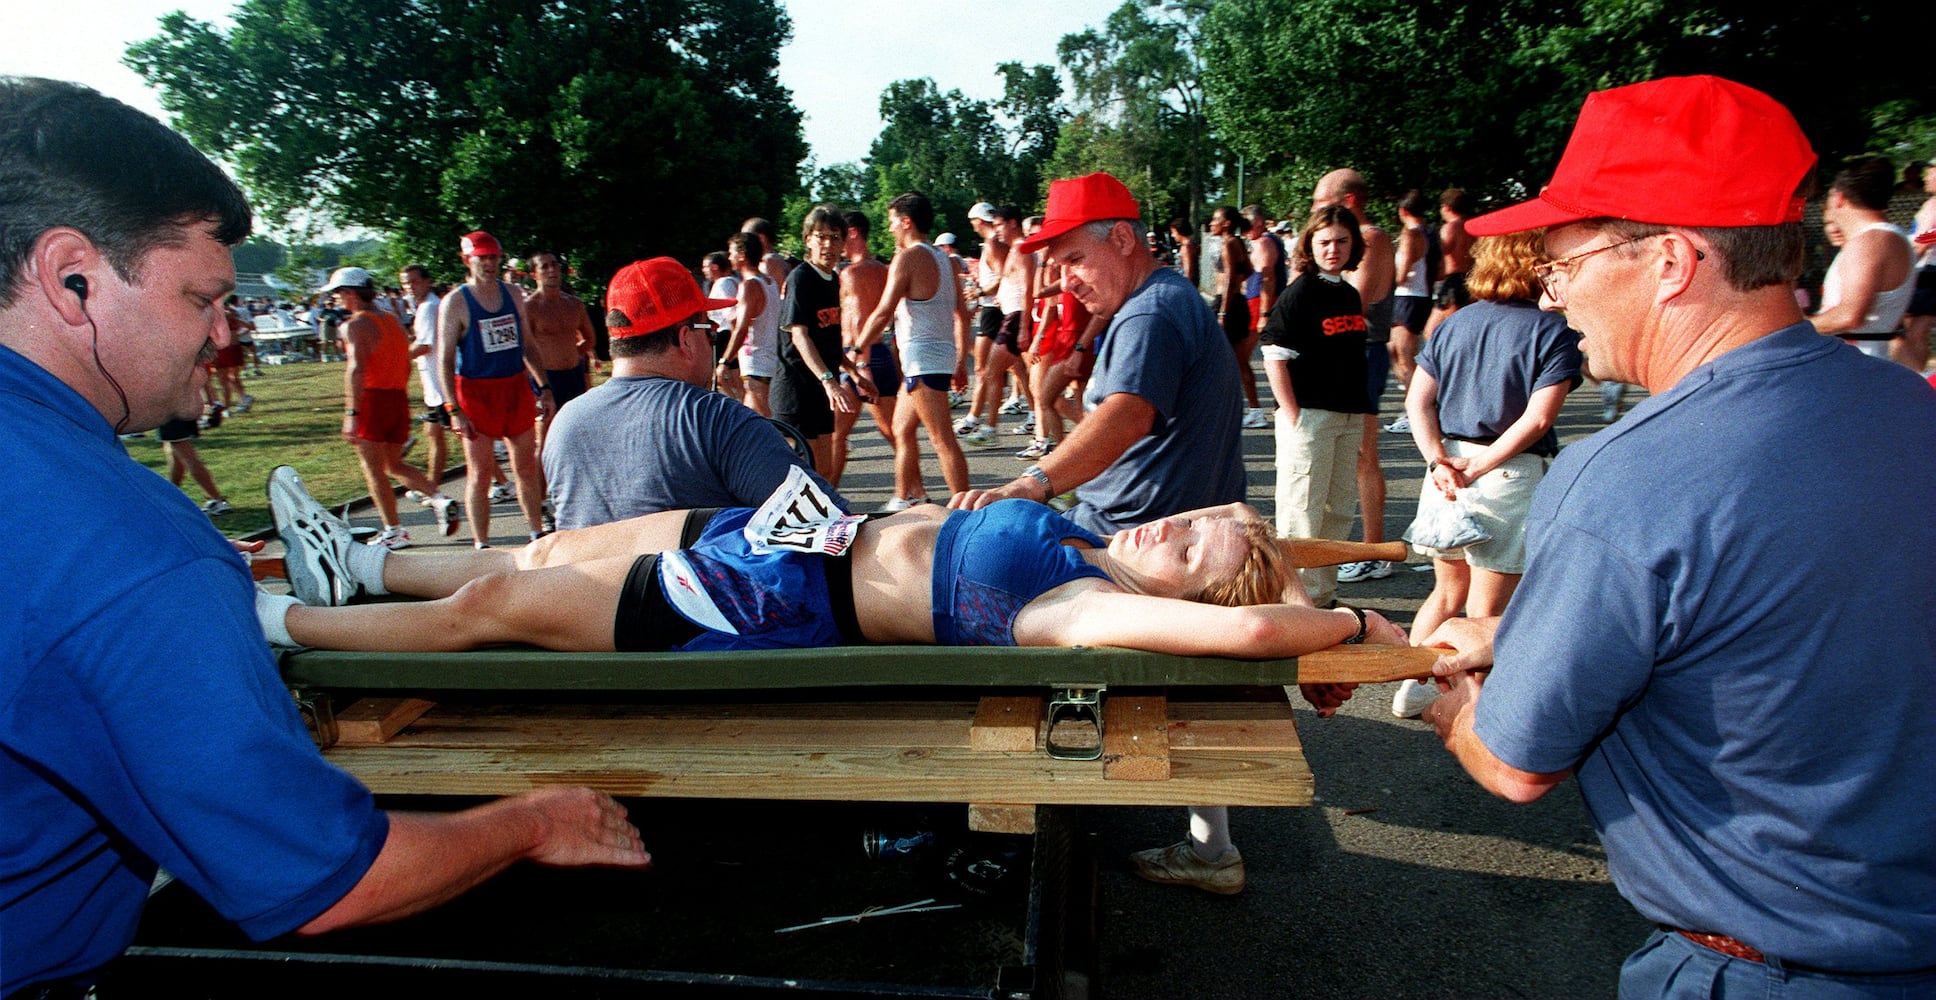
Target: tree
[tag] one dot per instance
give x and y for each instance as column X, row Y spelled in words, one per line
column 1140, row 105
column 946, row 146
column 607, row 129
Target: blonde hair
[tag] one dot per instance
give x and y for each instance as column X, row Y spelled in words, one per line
column 1266, row 571
column 1502, row 267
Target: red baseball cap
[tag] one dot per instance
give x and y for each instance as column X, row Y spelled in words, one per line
column 647, row 296
column 1683, row 151
column 1078, row 200
column 479, row 244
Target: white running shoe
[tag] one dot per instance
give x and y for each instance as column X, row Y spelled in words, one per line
column 1256, row 417
column 899, row 504
column 1412, row 698
column 315, row 542
column 1403, row 425
column 503, row 493
column 957, row 399
column 1027, row 426
column 981, row 435
column 967, row 425
column 417, row 497
column 1036, row 449
column 392, row 538
column 445, row 509
column 216, row 507
column 1371, row 569
column 1013, row 407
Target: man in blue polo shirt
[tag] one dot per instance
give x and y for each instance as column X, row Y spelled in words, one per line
column 133, row 738
column 1729, row 594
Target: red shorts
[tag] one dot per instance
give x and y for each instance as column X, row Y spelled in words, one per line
column 229, row 357
column 497, row 407
column 383, row 415
column 1256, row 314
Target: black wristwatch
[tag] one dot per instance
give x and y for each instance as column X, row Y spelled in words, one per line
column 1360, row 637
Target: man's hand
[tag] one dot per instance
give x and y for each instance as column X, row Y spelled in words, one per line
column 1379, row 631
column 584, row 827
column 461, row 425
column 1471, row 642
column 349, row 427
column 1023, row 488
column 1449, row 475
column 1456, row 698
column 1326, row 697
column 840, row 397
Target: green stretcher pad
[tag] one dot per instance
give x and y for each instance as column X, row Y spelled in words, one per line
column 780, row 669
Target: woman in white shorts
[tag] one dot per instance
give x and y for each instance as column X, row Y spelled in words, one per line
column 1489, row 384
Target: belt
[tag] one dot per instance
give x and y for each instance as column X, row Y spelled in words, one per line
column 1536, row 448
column 1853, row 337
column 1735, row 949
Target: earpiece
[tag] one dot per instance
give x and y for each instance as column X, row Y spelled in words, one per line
column 77, row 284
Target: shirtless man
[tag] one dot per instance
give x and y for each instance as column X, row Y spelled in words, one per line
column 1455, row 244
column 1373, row 279
column 1268, row 271
column 563, row 331
column 483, row 361
column 862, row 279
column 930, row 321
column 1414, row 269
column 1013, row 290
column 774, row 266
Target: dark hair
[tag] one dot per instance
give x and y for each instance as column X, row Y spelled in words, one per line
column 365, row 292
column 857, row 221
column 553, row 254
column 824, row 217
column 762, row 228
column 70, row 156
column 656, row 342
column 718, row 259
column 1009, row 213
column 748, row 244
column 1180, row 225
column 1229, row 214
column 1868, row 181
column 1324, row 217
column 417, row 269
column 1457, row 200
column 916, row 208
column 1751, row 257
column 1415, row 204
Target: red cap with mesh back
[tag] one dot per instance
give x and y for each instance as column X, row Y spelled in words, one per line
column 647, row 296
column 1080, row 200
column 480, row 244
column 1682, row 151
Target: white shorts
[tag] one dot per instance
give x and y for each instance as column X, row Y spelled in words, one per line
column 1500, row 501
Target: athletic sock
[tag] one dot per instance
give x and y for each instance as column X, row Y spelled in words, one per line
column 365, row 565
column 272, row 610
column 1210, row 832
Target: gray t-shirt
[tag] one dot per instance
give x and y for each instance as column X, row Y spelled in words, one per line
column 640, row 445
column 1164, row 346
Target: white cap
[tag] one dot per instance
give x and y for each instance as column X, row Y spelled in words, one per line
column 982, row 212
column 348, row 277
column 945, row 240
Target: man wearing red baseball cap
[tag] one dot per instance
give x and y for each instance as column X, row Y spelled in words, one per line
column 1163, row 435
column 488, row 367
column 655, row 436
column 1710, row 637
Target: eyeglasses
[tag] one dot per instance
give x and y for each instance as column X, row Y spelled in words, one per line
column 1553, row 273
column 824, row 235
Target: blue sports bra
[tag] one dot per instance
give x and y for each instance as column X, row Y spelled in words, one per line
column 991, row 562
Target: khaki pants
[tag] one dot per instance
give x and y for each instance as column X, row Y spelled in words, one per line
column 1317, row 484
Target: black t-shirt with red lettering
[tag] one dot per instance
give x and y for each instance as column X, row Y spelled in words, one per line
column 1322, row 321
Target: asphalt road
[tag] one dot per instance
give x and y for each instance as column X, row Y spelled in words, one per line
column 1404, row 880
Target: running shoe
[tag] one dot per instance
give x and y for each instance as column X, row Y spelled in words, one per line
column 1036, row 449
column 899, row 504
column 503, row 493
column 315, row 542
column 1370, row 569
column 445, row 509
column 1403, row 425
column 418, row 497
column 1178, row 864
column 1013, row 407
column 967, row 424
column 1256, row 418
column 1027, row 426
column 392, row 538
column 981, row 435
column 217, row 506
column 1412, row 698
column 957, row 399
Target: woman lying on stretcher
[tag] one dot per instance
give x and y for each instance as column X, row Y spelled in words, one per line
column 1209, row 583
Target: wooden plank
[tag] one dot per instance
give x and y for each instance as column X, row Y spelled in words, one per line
column 375, row 720
column 987, row 817
column 1307, row 553
column 1262, row 726
column 1006, row 723
column 1135, row 743
column 268, row 568
column 1368, row 664
column 735, row 753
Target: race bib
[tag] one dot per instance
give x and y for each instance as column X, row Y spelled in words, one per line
column 500, row 333
column 801, row 517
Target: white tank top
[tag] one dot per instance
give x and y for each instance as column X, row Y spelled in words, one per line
column 986, row 277
column 1412, row 283
column 1885, row 311
column 1011, row 297
column 760, row 352
column 926, row 327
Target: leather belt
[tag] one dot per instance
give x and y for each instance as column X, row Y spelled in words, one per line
column 1735, row 949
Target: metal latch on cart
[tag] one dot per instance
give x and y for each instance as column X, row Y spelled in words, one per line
column 1075, row 723
column 318, row 715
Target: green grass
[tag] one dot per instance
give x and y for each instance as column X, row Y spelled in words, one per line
column 297, row 420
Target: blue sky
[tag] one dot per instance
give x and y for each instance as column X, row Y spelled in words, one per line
column 842, row 54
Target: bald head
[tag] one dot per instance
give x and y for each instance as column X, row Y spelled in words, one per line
column 1341, row 187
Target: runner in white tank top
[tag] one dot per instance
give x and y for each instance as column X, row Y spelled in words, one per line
column 925, row 328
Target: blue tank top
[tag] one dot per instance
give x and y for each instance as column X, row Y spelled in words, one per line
column 491, row 347
column 991, row 562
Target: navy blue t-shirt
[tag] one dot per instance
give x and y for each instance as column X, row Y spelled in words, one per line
column 1489, row 358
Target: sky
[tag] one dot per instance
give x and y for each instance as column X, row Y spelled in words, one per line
column 843, row 54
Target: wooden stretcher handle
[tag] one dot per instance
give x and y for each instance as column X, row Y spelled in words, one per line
column 268, row 569
column 1307, row 553
column 1368, row 664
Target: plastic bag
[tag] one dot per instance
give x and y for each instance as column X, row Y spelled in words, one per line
column 1447, row 527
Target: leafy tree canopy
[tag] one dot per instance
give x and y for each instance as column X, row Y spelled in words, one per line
column 606, row 129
